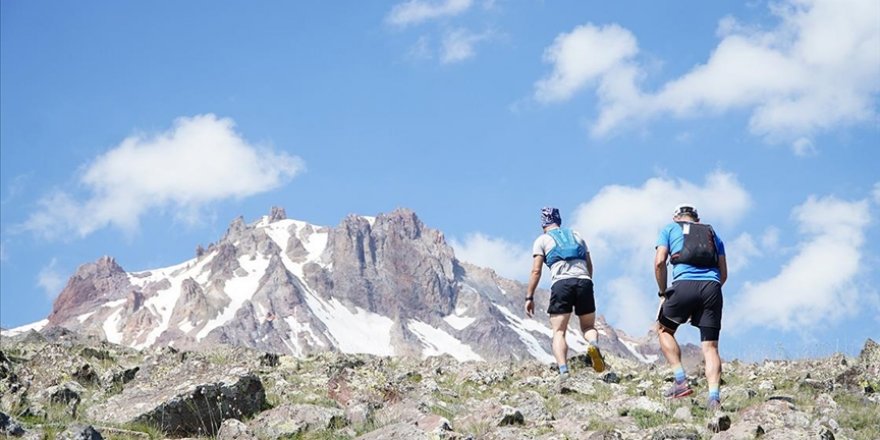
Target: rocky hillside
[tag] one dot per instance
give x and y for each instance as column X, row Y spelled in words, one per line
column 385, row 285
column 60, row 385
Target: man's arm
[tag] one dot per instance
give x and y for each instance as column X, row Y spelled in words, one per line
column 660, row 267
column 722, row 268
column 590, row 265
column 534, row 279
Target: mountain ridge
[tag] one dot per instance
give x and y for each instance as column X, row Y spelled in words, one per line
column 385, row 285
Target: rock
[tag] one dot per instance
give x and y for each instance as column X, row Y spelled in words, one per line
column 192, row 398
column 66, row 393
column 269, row 360
column 577, row 385
column 826, row 434
column 291, row 420
column 510, row 416
column 489, row 413
column 772, row 417
column 10, row 427
column 605, row 435
column 85, row 375
column 683, row 414
column 766, row 385
column 533, row 407
column 611, row 377
column 233, row 429
column 434, row 423
column 401, row 431
column 718, row 422
column 118, row 377
column 646, row 404
column 359, row 412
column 741, row 431
column 788, row 399
column 675, row 434
column 80, row 432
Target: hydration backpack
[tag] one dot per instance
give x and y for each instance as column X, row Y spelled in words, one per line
column 567, row 247
column 699, row 246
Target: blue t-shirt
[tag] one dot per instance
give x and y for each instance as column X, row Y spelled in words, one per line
column 672, row 238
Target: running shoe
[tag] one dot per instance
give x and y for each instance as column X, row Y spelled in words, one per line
column 713, row 405
column 596, row 358
column 679, row 390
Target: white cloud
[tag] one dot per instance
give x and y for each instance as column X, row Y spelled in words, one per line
column 740, row 252
column 818, row 284
column 770, row 238
column 418, row 11
column 818, row 70
column 626, row 303
column 507, row 259
column 621, row 223
column 458, row 45
column 804, row 147
column 581, row 56
column 50, row 279
column 201, row 159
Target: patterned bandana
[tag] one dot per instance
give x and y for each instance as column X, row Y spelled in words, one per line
column 549, row 216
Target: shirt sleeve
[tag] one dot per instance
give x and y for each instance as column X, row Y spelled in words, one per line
column 663, row 238
column 719, row 245
column 538, row 247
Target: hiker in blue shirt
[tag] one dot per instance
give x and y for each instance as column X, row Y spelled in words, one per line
column 699, row 269
column 571, row 269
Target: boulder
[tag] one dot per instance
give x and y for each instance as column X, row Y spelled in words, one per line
column 291, row 420
column 191, row 400
column 233, row 429
column 402, row 431
column 80, row 432
column 9, row 427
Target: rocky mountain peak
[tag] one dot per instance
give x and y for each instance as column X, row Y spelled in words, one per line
column 92, row 283
column 277, row 213
column 235, row 230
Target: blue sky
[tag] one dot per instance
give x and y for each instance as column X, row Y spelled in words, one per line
column 141, row 130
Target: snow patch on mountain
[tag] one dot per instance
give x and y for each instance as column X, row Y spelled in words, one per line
column 520, row 327
column 641, row 357
column 459, row 322
column 111, row 327
column 359, row 331
column 438, row 342
column 162, row 303
column 36, row 326
column 239, row 290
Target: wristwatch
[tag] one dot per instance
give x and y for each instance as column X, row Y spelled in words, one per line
column 530, row 298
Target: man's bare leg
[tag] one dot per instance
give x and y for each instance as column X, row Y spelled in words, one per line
column 669, row 345
column 713, row 370
column 588, row 329
column 559, row 324
column 672, row 352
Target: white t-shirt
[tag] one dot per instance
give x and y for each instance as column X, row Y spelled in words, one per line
column 562, row 269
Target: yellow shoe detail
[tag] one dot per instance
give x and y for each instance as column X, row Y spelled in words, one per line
column 596, row 358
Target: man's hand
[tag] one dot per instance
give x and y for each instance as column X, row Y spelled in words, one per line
column 530, row 308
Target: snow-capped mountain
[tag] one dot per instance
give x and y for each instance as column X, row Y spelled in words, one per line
column 385, row 285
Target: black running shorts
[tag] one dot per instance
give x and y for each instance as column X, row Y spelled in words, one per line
column 698, row 301
column 572, row 293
